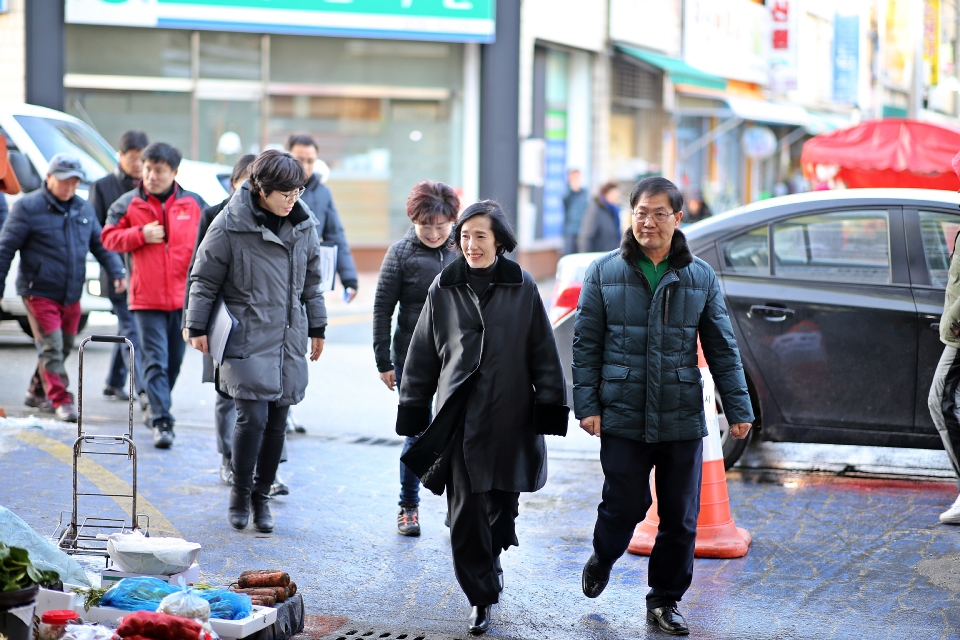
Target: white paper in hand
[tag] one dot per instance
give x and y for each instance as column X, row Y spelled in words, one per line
column 328, row 266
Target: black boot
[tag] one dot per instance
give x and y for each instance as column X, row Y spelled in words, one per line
column 262, row 518
column 238, row 511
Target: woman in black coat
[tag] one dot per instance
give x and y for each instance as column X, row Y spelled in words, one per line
column 484, row 346
column 408, row 270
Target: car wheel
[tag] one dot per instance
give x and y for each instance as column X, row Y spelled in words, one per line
column 25, row 325
column 732, row 448
column 83, row 322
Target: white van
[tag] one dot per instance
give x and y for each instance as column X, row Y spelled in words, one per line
column 36, row 134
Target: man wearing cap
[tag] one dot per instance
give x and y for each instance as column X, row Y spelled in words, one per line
column 637, row 385
column 53, row 229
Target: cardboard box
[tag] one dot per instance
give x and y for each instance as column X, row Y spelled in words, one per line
column 109, row 577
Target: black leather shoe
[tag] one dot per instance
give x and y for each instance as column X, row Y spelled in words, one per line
column 479, row 619
column 669, row 620
column 595, row 577
column 499, row 568
column 238, row 510
column 262, row 518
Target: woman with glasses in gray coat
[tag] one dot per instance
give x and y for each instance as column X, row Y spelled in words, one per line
column 262, row 254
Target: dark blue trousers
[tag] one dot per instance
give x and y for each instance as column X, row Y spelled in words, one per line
column 409, row 482
column 626, row 499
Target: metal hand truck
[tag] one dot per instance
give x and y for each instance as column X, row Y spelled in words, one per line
column 80, row 535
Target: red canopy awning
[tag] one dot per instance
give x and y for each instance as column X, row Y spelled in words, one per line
column 886, row 153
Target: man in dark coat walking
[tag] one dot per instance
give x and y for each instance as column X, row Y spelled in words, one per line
column 103, row 193
column 637, row 386
column 53, row 229
column 319, row 200
column 600, row 229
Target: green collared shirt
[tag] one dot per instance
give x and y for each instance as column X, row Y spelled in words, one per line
column 651, row 271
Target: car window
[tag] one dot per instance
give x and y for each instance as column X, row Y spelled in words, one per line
column 748, row 253
column 61, row 136
column 846, row 246
column 939, row 232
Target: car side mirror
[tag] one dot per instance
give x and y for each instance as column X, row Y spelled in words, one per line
column 26, row 173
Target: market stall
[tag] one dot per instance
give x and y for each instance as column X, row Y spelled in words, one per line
column 883, row 153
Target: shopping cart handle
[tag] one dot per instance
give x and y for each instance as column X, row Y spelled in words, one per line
column 108, row 339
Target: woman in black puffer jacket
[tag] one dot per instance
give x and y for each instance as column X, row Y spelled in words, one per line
column 409, row 268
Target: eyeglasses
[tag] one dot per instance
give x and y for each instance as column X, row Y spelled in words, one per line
column 293, row 196
column 658, row 216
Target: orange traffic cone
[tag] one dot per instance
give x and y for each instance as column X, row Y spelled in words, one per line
column 717, row 535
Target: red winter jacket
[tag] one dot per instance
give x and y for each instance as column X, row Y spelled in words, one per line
column 158, row 272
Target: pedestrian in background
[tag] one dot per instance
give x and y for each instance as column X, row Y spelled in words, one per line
column 4, row 210
column 225, row 409
column 574, row 206
column 319, row 200
column 409, row 268
column 695, row 208
column 484, row 346
column 156, row 224
column 942, row 399
column 103, row 193
column 53, row 229
column 262, row 254
column 637, row 385
column 601, row 228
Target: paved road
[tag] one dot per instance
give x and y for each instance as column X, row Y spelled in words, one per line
column 846, row 540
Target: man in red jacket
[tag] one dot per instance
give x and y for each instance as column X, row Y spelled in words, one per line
column 156, row 224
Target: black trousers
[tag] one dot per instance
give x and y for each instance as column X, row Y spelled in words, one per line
column 258, row 443
column 482, row 525
column 626, row 498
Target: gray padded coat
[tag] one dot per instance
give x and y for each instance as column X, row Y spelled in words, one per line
column 271, row 285
column 635, row 352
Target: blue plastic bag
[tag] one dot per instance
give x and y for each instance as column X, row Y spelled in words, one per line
column 137, row 594
column 145, row 594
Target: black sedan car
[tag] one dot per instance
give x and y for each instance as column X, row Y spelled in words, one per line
column 835, row 298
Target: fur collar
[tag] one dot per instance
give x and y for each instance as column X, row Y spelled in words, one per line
column 680, row 256
column 507, row 272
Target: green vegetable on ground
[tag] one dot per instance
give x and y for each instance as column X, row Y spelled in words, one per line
column 17, row 572
column 91, row 596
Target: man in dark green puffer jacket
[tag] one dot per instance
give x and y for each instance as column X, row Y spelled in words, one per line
column 636, row 384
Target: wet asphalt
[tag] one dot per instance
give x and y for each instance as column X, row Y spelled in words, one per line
column 846, row 542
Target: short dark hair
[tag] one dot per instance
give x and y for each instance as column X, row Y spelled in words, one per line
column 654, row 187
column 276, row 170
column 304, row 139
column 133, row 139
column 241, row 170
column 607, row 187
column 430, row 201
column 498, row 222
column 163, row 152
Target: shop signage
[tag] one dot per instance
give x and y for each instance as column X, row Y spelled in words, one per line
column 728, row 38
column 443, row 20
column 846, row 59
column 758, row 143
column 652, row 24
column 554, row 173
column 931, row 42
column 784, row 36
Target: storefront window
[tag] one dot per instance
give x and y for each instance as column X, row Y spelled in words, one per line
column 228, row 129
column 164, row 116
column 232, row 56
column 123, row 51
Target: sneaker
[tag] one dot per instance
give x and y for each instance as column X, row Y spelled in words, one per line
column 446, row 521
column 144, row 401
column 408, row 520
column 279, row 487
column 114, row 392
column 38, row 402
column 952, row 515
column 67, row 412
column 293, row 426
column 226, row 472
column 148, row 421
column 163, row 436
